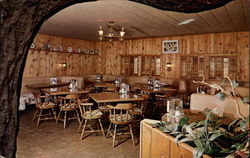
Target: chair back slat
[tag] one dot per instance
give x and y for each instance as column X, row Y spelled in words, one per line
column 85, row 108
column 42, row 100
column 120, row 112
column 69, row 100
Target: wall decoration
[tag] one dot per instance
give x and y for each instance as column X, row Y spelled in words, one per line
column 170, row 46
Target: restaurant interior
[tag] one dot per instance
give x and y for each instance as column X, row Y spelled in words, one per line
column 121, row 79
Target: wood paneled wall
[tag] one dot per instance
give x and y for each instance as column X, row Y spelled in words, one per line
column 107, row 62
column 46, row 63
column 219, row 44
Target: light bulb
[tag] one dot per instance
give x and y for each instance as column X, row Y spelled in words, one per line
column 100, row 31
column 122, row 33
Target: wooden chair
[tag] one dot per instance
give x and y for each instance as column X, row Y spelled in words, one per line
column 140, row 108
column 159, row 105
column 182, row 90
column 120, row 115
column 44, row 109
column 68, row 104
column 88, row 114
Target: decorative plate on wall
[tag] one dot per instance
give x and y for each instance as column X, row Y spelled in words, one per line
column 92, row 51
column 46, row 46
column 32, row 45
column 59, row 48
column 69, row 49
column 79, row 50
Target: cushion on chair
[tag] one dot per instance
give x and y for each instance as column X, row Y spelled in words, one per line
column 121, row 119
column 103, row 108
column 136, row 111
column 93, row 114
column 68, row 106
column 46, row 105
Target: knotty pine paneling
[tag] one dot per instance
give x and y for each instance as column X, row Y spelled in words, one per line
column 107, row 62
column 45, row 63
column 232, row 43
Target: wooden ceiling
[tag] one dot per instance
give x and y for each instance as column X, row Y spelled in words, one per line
column 185, row 6
column 141, row 21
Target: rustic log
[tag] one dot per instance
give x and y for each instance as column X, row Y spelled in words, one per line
column 20, row 21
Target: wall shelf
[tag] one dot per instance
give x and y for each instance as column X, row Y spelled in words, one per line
column 60, row 52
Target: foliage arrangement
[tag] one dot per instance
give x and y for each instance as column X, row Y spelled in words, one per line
column 210, row 136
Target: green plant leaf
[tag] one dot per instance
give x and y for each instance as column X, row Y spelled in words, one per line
column 164, row 129
column 159, row 124
column 235, row 84
column 183, row 121
column 227, row 151
column 206, row 122
column 201, row 123
column 238, row 146
column 190, row 131
column 233, row 123
column 174, row 133
column 198, row 143
column 239, row 136
column 215, row 135
column 243, row 125
column 200, row 134
column 191, row 125
column 198, row 152
column 185, row 140
column 176, row 139
column 221, row 96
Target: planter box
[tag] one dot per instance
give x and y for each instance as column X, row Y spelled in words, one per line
column 156, row 144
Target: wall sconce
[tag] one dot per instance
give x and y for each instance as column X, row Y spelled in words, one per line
column 168, row 66
column 63, row 65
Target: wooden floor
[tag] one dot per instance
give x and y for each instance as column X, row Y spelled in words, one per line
column 50, row 140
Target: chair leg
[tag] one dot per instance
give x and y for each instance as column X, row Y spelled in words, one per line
column 131, row 133
column 80, row 126
column 101, row 128
column 83, row 129
column 78, row 117
column 54, row 113
column 114, row 136
column 65, row 119
column 39, row 117
column 108, row 130
column 58, row 117
column 34, row 117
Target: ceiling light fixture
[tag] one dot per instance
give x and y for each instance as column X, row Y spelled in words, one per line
column 186, row 21
column 111, row 34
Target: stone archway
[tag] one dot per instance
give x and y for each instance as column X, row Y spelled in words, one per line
column 20, row 20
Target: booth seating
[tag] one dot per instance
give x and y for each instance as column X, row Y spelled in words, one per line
column 26, row 98
column 227, row 107
column 37, row 80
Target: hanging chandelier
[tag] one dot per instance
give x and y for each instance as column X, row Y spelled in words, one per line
column 111, row 34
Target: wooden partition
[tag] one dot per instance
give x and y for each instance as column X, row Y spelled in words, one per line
column 156, row 144
column 195, row 54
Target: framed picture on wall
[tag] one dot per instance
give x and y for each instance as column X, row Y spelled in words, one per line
column 170, row 46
